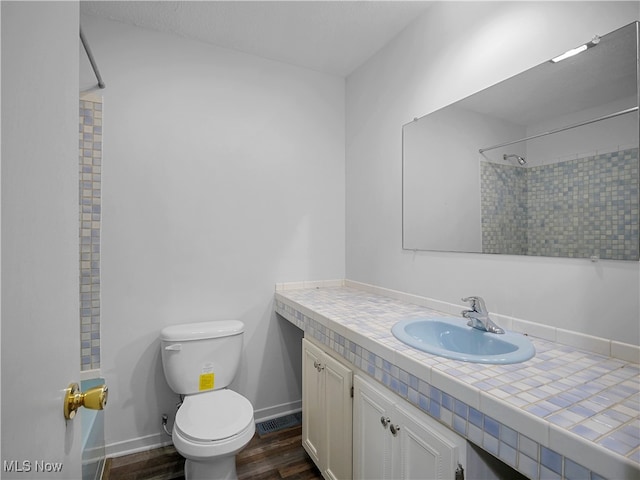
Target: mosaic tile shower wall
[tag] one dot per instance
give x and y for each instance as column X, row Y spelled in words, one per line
column 90, row 145
column 579, row 208
column 504, row 209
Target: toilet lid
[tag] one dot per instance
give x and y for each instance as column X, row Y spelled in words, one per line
column 214, row 415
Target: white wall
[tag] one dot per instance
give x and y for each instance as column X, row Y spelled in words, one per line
column 452, row 51
column 618, row 133
column 223, row 174
column 441, row 184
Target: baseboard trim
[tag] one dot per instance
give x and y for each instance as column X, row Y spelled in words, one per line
column 149, row 442
column 136, row 445
column 269, row 413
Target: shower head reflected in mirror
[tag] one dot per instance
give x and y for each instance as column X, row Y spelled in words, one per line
column 520, row 159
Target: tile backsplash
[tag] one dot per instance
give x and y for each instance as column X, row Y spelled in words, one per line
column 584, row 207
column 90, row 185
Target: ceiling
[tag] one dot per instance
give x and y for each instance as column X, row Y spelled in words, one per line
column 599, row 76
column 334, row 37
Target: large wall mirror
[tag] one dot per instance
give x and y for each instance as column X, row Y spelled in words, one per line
column 544, row 163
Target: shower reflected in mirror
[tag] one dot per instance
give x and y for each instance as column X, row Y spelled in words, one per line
column 520, row 159
column 543, row 164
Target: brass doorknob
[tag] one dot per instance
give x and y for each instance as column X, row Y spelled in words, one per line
column 94, row 399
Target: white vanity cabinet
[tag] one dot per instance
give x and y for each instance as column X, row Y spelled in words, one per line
column 327, row 407
column 394, row 440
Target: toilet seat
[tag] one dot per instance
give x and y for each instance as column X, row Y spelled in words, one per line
column 213, row 416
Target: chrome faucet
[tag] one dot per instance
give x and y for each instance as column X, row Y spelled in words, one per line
column 479, row 316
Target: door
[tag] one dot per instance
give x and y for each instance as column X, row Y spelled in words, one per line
column 338, row 423
column 312, row 400
column 39, row 249
column 420, row 451
column 371, row 437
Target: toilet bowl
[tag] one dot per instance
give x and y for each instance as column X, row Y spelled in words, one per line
column 209, row 430
column 213, row 423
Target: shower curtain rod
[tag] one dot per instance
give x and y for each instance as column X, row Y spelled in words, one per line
column 91, row 59
column 562, row 129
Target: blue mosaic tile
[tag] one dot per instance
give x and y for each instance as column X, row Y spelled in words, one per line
column 574, row 471
column 491, row 426
column 423, row 387
column 435, row 395
column 560, row 401
column 615, row 444
column 412, row 396
column 447, row 401
column 491, row 444
column 403, row 390
column 632, row 431
column 582, row 410
column 585, row 432
column 509, row 436
column 475, row 434
column 527, row 466
column 434, row 409
column 423, row 403
column 546, row 474
column 508, row 454
column 528, row 447
column 460, row 408
column 551, row 459
column 460, row 425
column 475, row 417
column 90, row 159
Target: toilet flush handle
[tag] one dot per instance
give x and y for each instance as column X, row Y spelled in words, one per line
column 174, row 347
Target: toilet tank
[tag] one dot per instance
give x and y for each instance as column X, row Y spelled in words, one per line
column 200, row 357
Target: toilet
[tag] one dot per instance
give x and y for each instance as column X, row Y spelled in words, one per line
column 213, row 423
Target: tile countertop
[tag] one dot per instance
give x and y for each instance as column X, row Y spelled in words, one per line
column 566, row 413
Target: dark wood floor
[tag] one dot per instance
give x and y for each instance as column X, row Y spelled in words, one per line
column 277, row 455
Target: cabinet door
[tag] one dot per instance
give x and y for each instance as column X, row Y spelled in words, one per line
column 312, row 401
column 338, row 425
column 371, row 435
column 421, row 448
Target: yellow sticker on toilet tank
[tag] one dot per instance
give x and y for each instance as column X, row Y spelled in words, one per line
column 206, row 381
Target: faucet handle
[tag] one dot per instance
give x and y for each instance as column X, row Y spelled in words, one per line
column 471, row 300
column 477, row 303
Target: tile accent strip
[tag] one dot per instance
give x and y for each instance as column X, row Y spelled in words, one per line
column 90, row 165
column 593, row 397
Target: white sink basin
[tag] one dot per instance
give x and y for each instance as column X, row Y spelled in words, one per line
column 452, row 338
